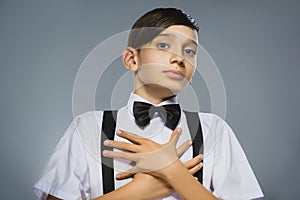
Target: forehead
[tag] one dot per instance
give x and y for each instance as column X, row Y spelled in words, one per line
column 180, row 31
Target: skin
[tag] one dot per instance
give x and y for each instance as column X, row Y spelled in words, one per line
column 174, row 50
column 170, row 51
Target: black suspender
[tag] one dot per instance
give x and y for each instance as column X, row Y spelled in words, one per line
column 108, row 132
column 195, row 128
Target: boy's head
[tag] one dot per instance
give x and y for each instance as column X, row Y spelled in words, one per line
column 161, row 52
column 148, row 26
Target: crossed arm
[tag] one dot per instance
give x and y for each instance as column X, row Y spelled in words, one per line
column 158, row 172
column 149, row 187
column 161, row 163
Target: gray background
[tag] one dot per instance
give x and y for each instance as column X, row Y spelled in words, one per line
column 255, row 44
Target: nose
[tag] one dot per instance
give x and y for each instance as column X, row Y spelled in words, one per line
column 175, row 58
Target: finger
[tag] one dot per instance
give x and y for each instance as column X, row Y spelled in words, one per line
column 183, row 147
column 193, row 162
column 196, row 168
column 120, row 155
column 124, row 175
column 175, row 135
column 130, row 136
column 134, row 170
column 122, row 145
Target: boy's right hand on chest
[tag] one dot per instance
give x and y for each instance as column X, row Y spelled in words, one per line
column 148, row 155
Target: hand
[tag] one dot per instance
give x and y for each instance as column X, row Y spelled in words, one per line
column 193, row 165
column 149, row 156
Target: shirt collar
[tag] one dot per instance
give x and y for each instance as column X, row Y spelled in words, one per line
column 134, row 97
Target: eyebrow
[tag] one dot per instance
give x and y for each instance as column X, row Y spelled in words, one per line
column 172, row 35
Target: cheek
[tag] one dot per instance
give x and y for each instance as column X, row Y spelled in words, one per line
column 149, row 73
column 190, row 70
column 152, row 56
column 150, row 66
column 190, row 74
column 155, row 58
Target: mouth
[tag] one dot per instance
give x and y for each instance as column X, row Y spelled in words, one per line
column 174, row 74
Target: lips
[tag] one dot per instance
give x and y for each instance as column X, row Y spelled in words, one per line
column 174, row 74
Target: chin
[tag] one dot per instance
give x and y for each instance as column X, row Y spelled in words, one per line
column 169, row 90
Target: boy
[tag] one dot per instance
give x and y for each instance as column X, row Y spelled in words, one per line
column 161, row 53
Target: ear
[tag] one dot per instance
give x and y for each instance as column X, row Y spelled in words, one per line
column 129, row 57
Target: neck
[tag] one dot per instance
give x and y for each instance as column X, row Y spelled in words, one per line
column 153, row 94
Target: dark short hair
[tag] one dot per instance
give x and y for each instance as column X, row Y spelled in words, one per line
column 148, row 26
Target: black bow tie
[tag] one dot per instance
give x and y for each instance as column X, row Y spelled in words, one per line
column 143, row 113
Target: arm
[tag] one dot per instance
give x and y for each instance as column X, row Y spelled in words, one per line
column 183, row 182
column 64, row 174
column 141, row 187
column 150, row 187
column 232, row 171
column 160, row 161
column 129, row 190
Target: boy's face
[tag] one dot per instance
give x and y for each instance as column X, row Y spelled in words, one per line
column 169, row 60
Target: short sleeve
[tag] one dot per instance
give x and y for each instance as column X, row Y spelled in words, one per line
column 66, row 174
column 233, row 178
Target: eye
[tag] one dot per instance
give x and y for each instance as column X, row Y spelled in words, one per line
column 162, row 45
column 189, row 52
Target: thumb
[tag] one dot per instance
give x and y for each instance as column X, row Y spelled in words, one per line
column 175, row 136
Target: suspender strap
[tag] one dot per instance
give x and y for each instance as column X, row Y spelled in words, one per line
column 194, row 125
column 108, row 132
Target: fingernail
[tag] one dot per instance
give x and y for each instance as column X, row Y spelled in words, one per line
column 200, row 164
column 119, row 132
column 105, row 153
column 106, row 142
column 190, row 142
column 178, row 130
column 118, row 176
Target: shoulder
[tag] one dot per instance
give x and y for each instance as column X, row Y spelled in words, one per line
column 211, row 119
column 87, row 116
column 208, row 120
column 209, row 116
column 88, row 130
column 214, row 125
column 79, row 124
column 88, row 123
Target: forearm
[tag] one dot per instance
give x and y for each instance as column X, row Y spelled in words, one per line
column 184, row 183
column 129, row 190
column 143, row 186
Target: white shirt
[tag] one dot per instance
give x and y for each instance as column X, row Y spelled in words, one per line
column 74, row 170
